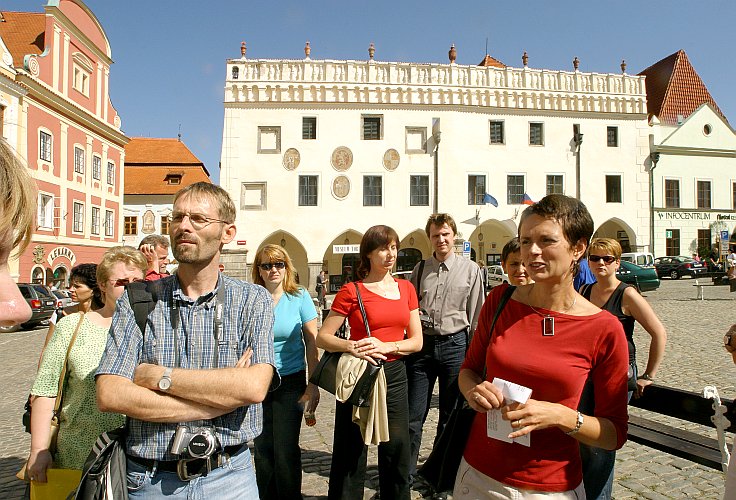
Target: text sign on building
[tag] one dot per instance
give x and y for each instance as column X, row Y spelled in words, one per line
column 345, row 248
column 61, row 252
column 466, row 249
column 668, row 234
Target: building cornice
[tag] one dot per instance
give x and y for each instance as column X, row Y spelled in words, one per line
column 694, row 151
column 60, row 17
column 371, row 82
column 11, row 87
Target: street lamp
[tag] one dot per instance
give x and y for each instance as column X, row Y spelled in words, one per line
column 436, row 136
column 577, row 138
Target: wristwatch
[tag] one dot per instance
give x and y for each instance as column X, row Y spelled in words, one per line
column 165, row 383
column 646, row 376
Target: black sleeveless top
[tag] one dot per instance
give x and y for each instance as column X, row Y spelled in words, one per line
column 613, row 305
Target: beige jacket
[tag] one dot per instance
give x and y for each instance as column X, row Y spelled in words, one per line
column 373, row 419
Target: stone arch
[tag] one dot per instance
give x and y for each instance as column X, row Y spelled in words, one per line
column 336, row 263
column 297, row 254
column 489, row 237
column 38, row 275
column 620, row 231
column 414, row 247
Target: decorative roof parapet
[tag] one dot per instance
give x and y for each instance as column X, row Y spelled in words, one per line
column 281, row 80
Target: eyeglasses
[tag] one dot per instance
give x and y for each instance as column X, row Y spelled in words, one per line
column 266, row 266
column 125, row 281
column 198, row 221
column 608, row 259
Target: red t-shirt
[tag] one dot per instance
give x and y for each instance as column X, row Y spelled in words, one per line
column 555, row 368
column 387, row 318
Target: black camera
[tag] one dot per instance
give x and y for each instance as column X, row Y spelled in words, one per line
column 425, row 319
column 199, row 442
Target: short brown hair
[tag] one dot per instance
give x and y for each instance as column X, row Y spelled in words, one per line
column 608, row 245
column 570, row 213
column 376, row 237
column 440, row 220
column 510, row 247
column 18, row 195
column 226, row 207
column 275, row 253
column 157, row 240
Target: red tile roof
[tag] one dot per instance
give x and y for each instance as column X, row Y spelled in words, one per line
column 490, row 61
column 23, row 33
column 150, row 161
column 675, row 89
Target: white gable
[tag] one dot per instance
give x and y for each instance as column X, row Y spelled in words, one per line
column 704, row 129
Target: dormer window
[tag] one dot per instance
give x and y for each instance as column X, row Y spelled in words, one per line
column 173, row 179
column 82, row 71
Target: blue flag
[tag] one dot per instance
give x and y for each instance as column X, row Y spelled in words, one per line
column 487, row 198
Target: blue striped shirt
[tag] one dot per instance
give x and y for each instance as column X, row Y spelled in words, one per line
column 247, row 322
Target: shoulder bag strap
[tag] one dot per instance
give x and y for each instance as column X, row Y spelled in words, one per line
column 62, row 376
column 501, row 304
column 362, row 309
column 418, row 287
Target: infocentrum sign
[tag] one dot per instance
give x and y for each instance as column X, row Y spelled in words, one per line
column 695, row 216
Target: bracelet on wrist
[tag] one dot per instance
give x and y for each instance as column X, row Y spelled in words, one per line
column 578, row 425
column 645, row 376
column 396, row 345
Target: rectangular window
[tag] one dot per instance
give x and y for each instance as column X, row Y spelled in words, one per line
column 372, row 191
column 733, row 195
column 110, row 173
column 109, row 223
column 45, row 211
column 704, row 242
column 555, row 184
column 78, row 219
column 704, row 194
column 165, row 225
column 671, row 193
column 44, row 146
column 497, row 136
column 371, row 126
column 419, row 190
column 96, row 167
column 79, row 160
column 269, row 140
column 2, row 120
column 130, row 225
column 476, row 189
column 416, row 140
column 253, row 196
column 612, row 137
column 515, row 189
column 672, row 241
column 308, row 190
column 81, row 80
column 613, row 189
column 536, row 134
column 95, row 220
column 309, row 127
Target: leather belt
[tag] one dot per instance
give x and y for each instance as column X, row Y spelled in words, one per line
column 190, row 468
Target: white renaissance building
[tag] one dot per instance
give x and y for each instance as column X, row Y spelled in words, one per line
column 316, row 151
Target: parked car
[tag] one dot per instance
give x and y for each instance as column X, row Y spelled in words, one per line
column 41, row 300
column 496, row 276
column 63, row 298
column 644, row 278
column 642, row 259
column 677, row 266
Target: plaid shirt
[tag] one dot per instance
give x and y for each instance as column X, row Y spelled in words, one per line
column 247, row 322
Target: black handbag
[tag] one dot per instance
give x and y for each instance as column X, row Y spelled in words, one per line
column 325, row 374
column 440, row 468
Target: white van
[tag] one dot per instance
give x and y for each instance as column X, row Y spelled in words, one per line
column 643, row 259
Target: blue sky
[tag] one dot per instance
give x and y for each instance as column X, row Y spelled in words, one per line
column 170, row 55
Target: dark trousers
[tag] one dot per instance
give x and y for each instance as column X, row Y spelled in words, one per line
column 278, row 458
column 440, row 358
column 349, row 454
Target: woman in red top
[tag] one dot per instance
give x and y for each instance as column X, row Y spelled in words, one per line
column 393, row 315
column 548, row 339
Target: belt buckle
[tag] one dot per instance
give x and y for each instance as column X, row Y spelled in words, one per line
column 182, row 470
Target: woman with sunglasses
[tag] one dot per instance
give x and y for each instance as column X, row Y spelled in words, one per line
column 278, row 456
column 80, row 422
column 627, row 304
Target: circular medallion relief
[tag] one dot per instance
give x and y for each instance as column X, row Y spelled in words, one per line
column 291, row 159
column 342, row 158
column 340, row 187
column 32, row 66
column 391, row 159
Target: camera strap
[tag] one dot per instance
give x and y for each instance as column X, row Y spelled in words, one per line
column 217, row 326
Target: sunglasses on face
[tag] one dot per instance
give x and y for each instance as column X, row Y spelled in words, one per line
column 266, row 266
column 608, row 259
column 126, row 281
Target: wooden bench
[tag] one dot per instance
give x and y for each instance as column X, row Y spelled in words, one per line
column 687, row 406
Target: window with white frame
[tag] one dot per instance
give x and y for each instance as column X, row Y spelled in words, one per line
column 515, row 189
column 733, row 195
column 704, row 194
column 372, row 191
column 497, row 135
column 78, row 160
column 612, row 137
column 419, row 190
column 371, row 127
column 253, row 196
column 130, row 225
column 536, row 134
column 613, row 189
column 308, row 190
column 110, row 173
column 269, row 140
column 78, row 218
column 96, row 167
column 416, row 140
column 81, row 80
column 476, row 189
column 45, row 211
column 44, row 146
column 309, row 127
column 95, row 229
column 109, row 223
column 671, row 193
column 555, row 184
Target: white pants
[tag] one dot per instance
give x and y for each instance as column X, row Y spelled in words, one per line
column 471, row 484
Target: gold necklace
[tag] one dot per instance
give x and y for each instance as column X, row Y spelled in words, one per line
column 548, row 321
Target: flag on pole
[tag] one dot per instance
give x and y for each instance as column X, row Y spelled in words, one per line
column 526, row 200
column 487, row 198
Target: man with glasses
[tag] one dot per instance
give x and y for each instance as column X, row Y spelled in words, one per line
column 192, row 387
column 156, row 249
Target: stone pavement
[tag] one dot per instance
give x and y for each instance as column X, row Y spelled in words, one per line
column 694, row 359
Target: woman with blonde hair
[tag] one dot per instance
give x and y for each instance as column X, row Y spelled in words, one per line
column 80, row 422
column 278, row 456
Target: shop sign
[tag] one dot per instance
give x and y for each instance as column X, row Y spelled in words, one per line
column 346, row 248
column 61, row 252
